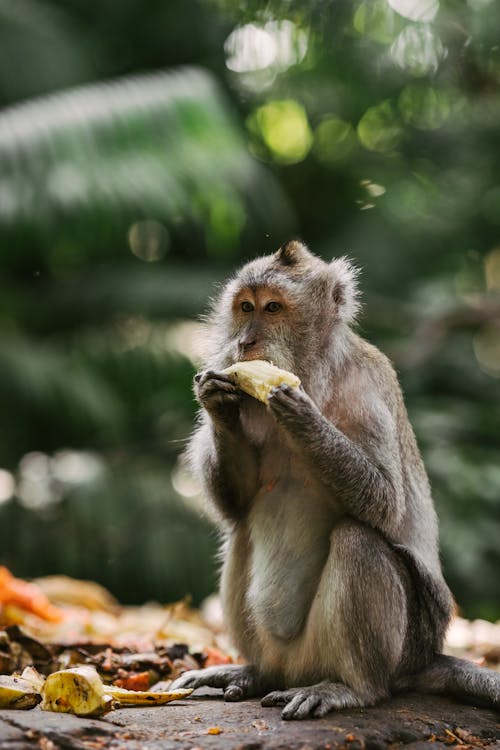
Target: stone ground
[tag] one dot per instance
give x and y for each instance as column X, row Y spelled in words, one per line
column 204, row 721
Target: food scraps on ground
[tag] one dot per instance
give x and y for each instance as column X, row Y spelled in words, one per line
column 81, row 691
column 27, row 596
column 16, row 692
column 133, row 653
column 78, row 690
column 94, row 659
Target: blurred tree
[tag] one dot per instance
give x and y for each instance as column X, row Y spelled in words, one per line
column 372, row 130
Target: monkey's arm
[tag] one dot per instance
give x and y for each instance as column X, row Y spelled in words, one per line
column 219, row 452
column 227, row 467
column 364, row 472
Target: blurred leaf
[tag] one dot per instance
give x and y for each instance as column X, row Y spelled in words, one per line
column 92, row 162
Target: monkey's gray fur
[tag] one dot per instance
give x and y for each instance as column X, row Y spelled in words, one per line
column 331, row 583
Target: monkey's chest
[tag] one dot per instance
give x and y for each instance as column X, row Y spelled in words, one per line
column 290, row 527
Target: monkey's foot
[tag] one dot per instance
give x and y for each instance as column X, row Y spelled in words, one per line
column 238, row 683
column 313, row 700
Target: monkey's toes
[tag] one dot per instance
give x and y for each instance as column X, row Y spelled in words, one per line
column 277, row 698
column 234, row 693
column 302, row 706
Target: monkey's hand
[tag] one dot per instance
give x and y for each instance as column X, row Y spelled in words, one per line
column 221, row 398
column 294, row 409
column 238, row 683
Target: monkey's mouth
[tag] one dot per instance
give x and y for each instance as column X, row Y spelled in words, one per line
column 251, row 357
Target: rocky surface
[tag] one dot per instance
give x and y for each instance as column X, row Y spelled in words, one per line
column 204, row 721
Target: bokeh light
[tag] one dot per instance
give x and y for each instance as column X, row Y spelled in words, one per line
column 276, row 44
column 7, row 485
column 376, row 20
column 486, row 344
column 492, row 270
column 149, row 240
column 284, row 128
column 425, row 107
column 419, row 50
column 416, row 10
column 334, row 139
column 380, row 128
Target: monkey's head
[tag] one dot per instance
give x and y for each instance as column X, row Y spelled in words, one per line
column 283, row 308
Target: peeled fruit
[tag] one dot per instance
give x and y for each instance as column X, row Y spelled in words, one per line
column 15, row 692
column 258, row 377
column 77, row 691
column 81, row 691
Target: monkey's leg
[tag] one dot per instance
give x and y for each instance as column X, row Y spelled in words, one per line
column 355, row 631
column 448, row 674
column 238, row 682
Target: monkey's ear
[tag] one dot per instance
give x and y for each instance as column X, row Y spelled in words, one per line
column 345, row 288
column 292, row 252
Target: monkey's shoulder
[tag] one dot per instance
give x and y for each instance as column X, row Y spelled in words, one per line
column 371, row 359
column 368, row 376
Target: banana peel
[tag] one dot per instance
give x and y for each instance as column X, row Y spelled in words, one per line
column 144, row 697
column 258, row 377
column 78, row 690
column 17, row 693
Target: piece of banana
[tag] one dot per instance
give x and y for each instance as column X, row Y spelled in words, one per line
column 78, row 691
column 258, row 377
column 33, row 676
column 17, row 693
column 81, row 691
column 144, row 697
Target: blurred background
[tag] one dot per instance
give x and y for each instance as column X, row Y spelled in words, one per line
column 146, row 150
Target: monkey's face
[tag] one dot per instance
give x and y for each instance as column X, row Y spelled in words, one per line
column 283, row 308
column 262, row 318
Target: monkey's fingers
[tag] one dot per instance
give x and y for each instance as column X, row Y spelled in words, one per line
column 217, row 386
column 227, row 676
column 278, row 698
column 202, row 377
column 190, row 679
column 291, row 405
column 283, row 393
column 302, row 706
column 216, row 391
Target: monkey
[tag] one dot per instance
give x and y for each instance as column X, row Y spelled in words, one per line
column 331, row 581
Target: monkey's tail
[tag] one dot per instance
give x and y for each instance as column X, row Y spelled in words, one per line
column 450, row 675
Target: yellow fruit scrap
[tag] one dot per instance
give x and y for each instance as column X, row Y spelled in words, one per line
column 144, row 697
column 15, row 692
column 33, row 676
column 78, row 691
column 258, row 377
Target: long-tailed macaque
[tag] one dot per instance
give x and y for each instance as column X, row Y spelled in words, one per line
column 331, row 583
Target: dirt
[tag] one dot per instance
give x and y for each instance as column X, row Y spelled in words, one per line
column 204, row 721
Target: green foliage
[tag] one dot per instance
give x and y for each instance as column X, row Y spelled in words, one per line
column 167, row 145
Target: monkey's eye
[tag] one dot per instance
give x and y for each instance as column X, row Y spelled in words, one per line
column 247, row 306
column 272, row 307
